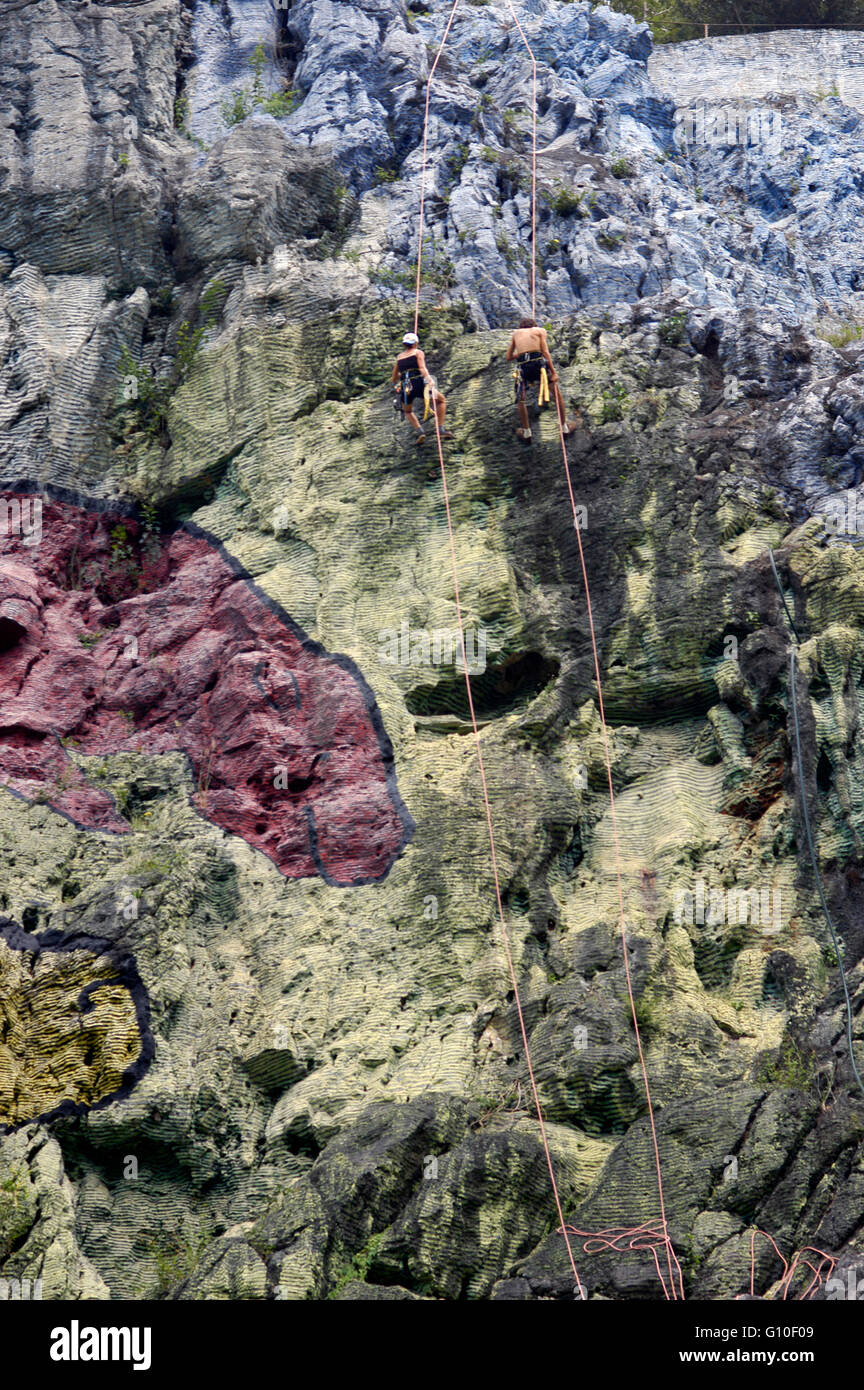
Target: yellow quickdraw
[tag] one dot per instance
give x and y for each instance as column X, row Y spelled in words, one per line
column 427, row 401
column 543, row 393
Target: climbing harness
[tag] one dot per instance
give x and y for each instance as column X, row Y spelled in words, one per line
column 531, row 371
column 808, row 834
column 410, row 379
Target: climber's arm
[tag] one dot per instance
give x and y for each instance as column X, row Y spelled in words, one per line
column 511, row 351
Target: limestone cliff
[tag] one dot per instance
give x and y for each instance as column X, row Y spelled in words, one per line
column 208, row 219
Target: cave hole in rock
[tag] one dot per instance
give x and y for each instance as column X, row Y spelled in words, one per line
column 773, row 987
column 518, row 900
column 823, row 772
column 498, row 690
column 289, row 46
column 714, row 959
column 10, row 633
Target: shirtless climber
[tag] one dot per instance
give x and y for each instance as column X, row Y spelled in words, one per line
column 412, row 380
column 530, row 351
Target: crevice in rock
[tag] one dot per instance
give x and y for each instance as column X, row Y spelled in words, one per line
column 499, row 690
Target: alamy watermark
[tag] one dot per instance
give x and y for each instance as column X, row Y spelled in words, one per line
column 713, row 907
column 21, row 516
column 852, row 1289
column 407, row 646
column 727, row 126
column 20, row 1290
column 843, row 514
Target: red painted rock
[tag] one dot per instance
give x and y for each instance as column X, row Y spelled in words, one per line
column 113, row 640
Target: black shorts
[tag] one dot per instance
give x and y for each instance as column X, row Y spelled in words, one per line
column 413, row 389
column 530, row 371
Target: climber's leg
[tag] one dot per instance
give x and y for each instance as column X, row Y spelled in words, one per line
column 567, row 426
column 441, row 411
column 408, row 411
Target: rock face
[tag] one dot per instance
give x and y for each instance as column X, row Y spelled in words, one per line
column 763, row 66
column 181, row 652
column 198, row 339
column 75, row 1025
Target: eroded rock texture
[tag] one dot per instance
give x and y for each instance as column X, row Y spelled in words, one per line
column 117, row 645
column 200, row 314
column 74, row 1025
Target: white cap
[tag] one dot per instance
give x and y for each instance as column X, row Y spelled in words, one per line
column 410, row 339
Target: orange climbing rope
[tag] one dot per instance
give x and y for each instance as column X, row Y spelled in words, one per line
column 423, row 165
column 819, row 1271
column 674, row 1287
column 652, row 1235
column 533, row 160
column 673, row 1268
column 481, row 766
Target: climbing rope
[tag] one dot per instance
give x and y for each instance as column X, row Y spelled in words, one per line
column 441, row 46
column 819, row 1272
column 658, row 1234
column 674, row 1288
column 476, row 731
column 673, row 1267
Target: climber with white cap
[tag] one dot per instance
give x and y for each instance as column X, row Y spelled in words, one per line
column 412, row 379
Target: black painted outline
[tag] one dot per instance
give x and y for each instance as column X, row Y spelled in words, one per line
column 52, row 492
column 127, row 975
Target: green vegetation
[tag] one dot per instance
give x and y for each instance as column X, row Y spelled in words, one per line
column 621, row 167
column 839, row 332
column 566, row 201
column 507, row 251
column 237, row 107
column 456, row 163
column 673, row 21
column 792, row 1067
column 175, row 1256
column 648, row 1012
column 16, row 1216
column 511, row 119
column 672, row 330
column 358, row 1266
column 282, row 103
column 614, row 403
column 146, row 396
column 248, row 98
column 438, row 271
column 181, row 115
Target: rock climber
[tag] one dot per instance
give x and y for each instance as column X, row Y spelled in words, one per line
column 530, row 351
column 412, row 380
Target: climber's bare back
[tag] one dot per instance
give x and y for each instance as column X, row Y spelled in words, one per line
column 528, row 340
